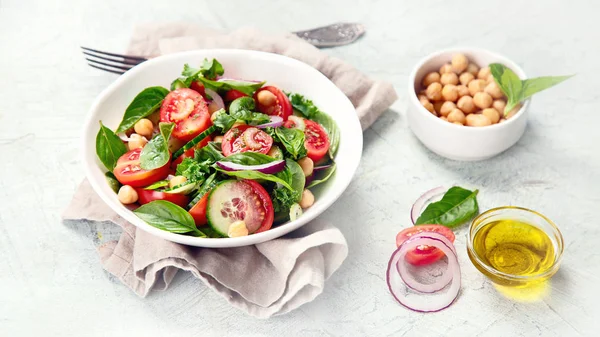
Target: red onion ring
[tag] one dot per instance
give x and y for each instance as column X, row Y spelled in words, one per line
column 423, row 200
column 275, row 122
column 215, row 98
column 433, row 302
column 269, row 168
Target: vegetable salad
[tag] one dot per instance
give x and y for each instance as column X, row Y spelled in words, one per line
column 218, row 157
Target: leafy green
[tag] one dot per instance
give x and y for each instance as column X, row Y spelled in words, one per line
column 255, row 175
column 144, row 104
column 223, row 120
column 249, row 158
column 247, row 88
column 517, row 90
column 457, row 206
column 169, row 217
column 292, row 140
column 284, row 198
column 309, row 110
column 157, row 185
column 209, row 69
column 156, row 153
column 192, row 170
column 297, row 176
column 242, row 109
column 322, row 176
column 181, row 82
column 109, row 147
column 112, row 181
column 209, row 154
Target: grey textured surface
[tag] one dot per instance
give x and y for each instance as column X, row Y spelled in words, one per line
column 51, row 282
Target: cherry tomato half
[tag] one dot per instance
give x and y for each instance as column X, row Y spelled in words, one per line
column 424, row 255
column 198, row 87
column 198, row 212
column 188, row 110
column 316, row 140
column 281, row 107
column 232, row 95
column 245, row 138
column 129, row 172
column 146, row 196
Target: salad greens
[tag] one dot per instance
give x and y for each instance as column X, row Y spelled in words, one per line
column 517, row 90
column 156, row 153
column 112, row 181
column 322, row 175
column 457, row 206
column 168, row 217
column 144, row 104
column 292, row 141
column 109, row 147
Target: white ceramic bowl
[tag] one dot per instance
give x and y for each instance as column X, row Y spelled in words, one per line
column 286, row 73
column 455, row 141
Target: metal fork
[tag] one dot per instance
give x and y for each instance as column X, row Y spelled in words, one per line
column 337, row 34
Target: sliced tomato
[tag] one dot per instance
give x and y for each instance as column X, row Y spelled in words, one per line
column 198, row 212
column 232, row 95
column 198, row 87
column 281, row 107
column 188, row 110
column 129, row 172
column 190, row 152
column 424, row 255
column 267, row 204
column 146, row 196
column 316, row 140
column 246, row 138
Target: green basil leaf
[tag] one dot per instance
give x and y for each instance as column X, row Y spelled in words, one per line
column 242, row 109
column 255, row 175
column 109, row 147
column 144, row 104
column 209, row 154
column 457, row 206
column 292, row 140
column 249, row 158
column 509, row 83
column 167, row 216
column 247, row 88
column 156, row 153
column 534, row 85
column 157, row 185
column 322, row 176
column 112, row 181
column 223, row 121
column 297, row 176
column 181, row 82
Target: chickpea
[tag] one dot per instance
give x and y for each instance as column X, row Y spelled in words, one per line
column 478, row 120
column 144, row 127
column 136, row 141
column 449, row 78
column 446, row 108
column 237, row 229
column 431, row 78
column 422, row 98
column 499, row 105
column 307, row 166
column 462, row 90
column 484, row 73
column 466, row 104
column 127, row 195
column 450, row 92
column 308, row 199
column 429, row 107
column 513, row 112
column 494, row 90
column 459, row 63
column 473, row 69
column 482, row 100
column 437, row 106
column 266, row 98
column 446, row 68
column 218, row 139
column 492, row 114
column 434, row 91
column 476, row 86
column 456, row 116
column 176, row 181
column 465, row 78
column 458, row 123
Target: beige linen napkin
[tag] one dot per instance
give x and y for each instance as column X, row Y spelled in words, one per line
column 295, row 266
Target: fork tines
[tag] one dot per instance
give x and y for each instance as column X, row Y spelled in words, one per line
column 114, row 63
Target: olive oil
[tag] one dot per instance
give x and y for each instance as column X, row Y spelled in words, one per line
column 514, row 247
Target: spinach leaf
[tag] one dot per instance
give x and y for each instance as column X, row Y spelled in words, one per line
column 309, row 110
column 322, row 176
column 223, row 121
column 247, row 88
column 242, row 109
column 157, row 185
column 249, row 158
column 297, row 176
column 255, row 175
column 112, row 181
column 109, row 147
column 456, row 207
column 156, row 153
column 209, row 154
column 169, row 217
column 192, row 170
column 292, row 140
column 144, row 104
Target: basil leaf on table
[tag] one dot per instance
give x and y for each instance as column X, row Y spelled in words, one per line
column 322, row 176
column 156, row 153
column 292, row 140
column 309, row 110
column 249, row 158
column 169, row 217
column 457, row 206
column 143, row 105
column 109, row 147
column 517, row 90
column 255, row 175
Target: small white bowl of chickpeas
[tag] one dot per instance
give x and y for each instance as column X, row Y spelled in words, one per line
column 456, row 109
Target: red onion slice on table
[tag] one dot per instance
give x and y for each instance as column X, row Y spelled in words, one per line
column 416, row 300
column 423, row 200
column 275, row 122
column 269, row 168
column 215, row 98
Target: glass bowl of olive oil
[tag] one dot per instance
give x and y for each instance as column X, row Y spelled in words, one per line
column 515, row 246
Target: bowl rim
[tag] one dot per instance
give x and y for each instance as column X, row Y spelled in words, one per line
column 256, row 238
column 473, row 50
column 549, row 272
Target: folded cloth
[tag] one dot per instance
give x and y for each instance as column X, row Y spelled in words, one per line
column 294, row 266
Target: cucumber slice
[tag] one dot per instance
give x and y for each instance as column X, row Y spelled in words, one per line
column 295, row 212
column 185, row 188
column 194, row 141
column 231, row 201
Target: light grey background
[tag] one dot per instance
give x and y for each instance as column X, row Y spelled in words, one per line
column 51, row 282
